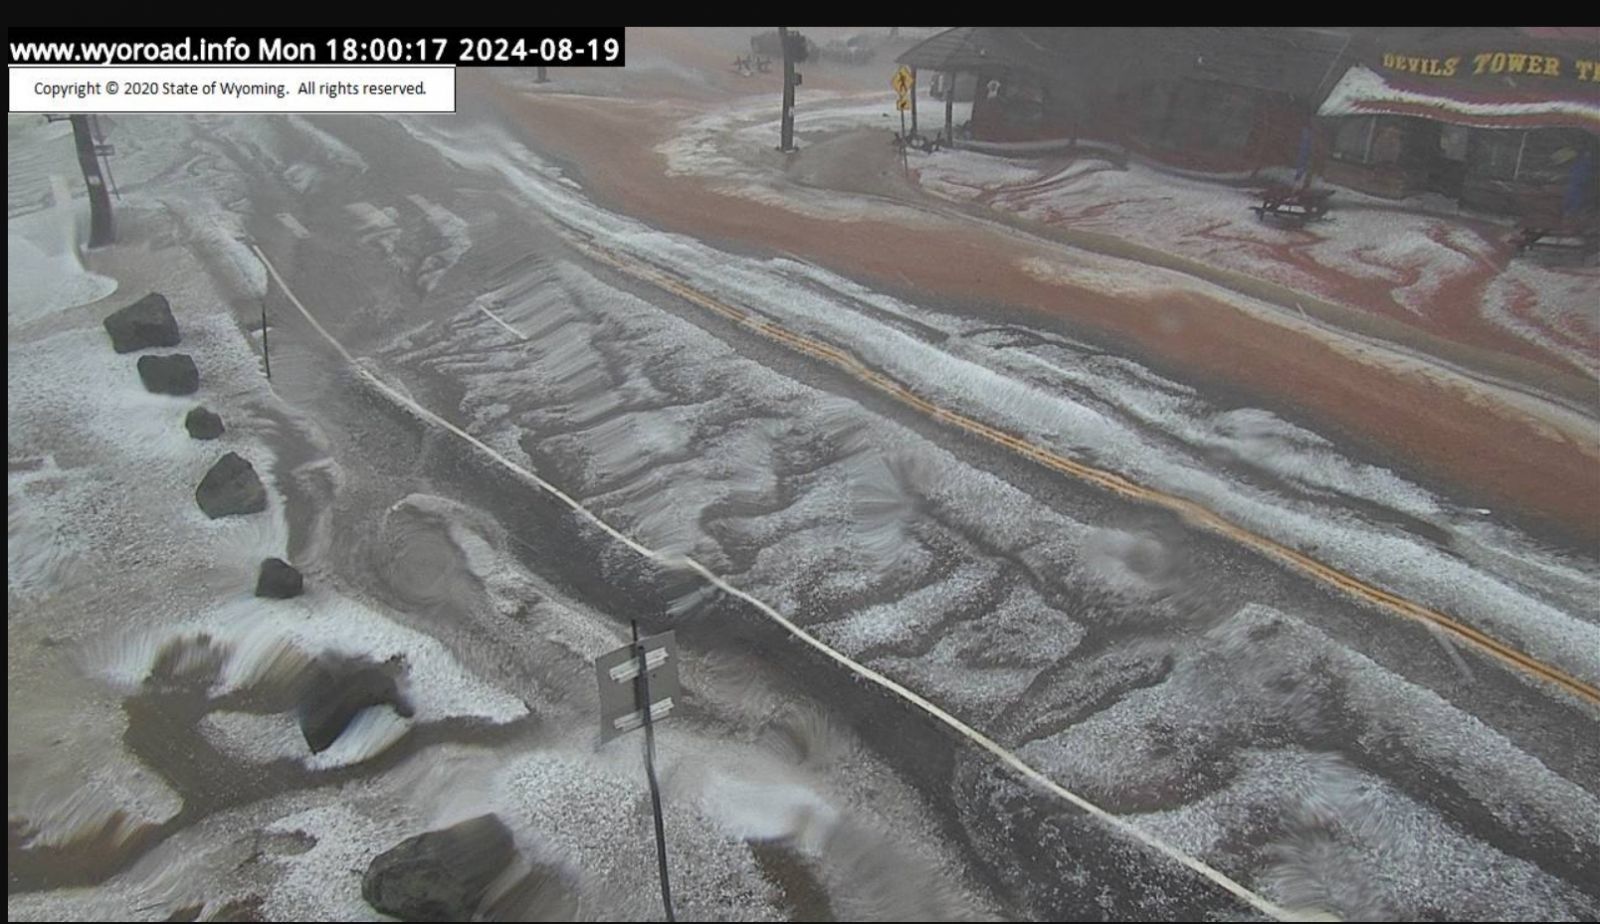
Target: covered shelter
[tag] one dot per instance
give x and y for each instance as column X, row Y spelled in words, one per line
column 1203, row 97
column 1030, row 84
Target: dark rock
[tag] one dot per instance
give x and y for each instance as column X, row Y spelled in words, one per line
column 203, row 424
column 440, row 875
column 146, row 323
column 279, row 580
column 173, row 374
column 231, row 488
column 337, row 689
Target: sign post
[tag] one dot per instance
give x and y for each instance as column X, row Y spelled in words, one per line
column 904, row 85
column 638, row 688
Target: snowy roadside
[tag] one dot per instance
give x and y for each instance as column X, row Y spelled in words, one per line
column 118, row 580
column 1455, row 277
column 1457, row 280
column 1505, row 587
column 110, row 559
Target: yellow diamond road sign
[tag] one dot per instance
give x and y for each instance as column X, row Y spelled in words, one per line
column 901, row 80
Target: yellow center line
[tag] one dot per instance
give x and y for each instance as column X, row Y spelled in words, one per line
column 1191, row 511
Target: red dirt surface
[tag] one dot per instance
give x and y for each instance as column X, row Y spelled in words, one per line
column 1481, row 451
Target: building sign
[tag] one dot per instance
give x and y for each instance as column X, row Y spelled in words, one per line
column 1494, row 64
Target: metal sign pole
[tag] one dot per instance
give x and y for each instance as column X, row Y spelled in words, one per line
column 266, row 354
column 642, row 687
column 629, row 698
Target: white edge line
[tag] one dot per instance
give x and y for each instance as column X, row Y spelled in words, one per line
column 983, row 741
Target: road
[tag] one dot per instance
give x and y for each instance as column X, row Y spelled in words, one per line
column 971, row 546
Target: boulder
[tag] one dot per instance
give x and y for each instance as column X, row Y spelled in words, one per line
column 337, row 689
column 279, row 580
column 146, row 323
column 441, row 875
column 203, row 424
column 173, row 374
column 231, row 488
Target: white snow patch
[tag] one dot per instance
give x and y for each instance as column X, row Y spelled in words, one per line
column 44, row 272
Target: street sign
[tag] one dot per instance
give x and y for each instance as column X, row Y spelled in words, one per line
column 902, row 103
column 618, row 673
column 901, row 81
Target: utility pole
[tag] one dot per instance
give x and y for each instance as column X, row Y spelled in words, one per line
column 913, row 101
column 541, row 77
column 105, row 151
column 101, row 231
column 790, row 78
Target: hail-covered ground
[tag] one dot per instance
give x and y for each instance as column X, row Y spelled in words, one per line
column 1327, row 755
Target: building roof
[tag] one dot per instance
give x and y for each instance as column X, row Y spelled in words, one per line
column 1363, row 91
column 973, row 48
column 1481, row 77
column 1301, row 62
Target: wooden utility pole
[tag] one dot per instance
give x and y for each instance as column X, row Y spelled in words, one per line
column 786, row 137
column 913, row 101
column 101, row 231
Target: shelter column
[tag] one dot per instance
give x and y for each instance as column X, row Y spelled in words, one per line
column 950, row 110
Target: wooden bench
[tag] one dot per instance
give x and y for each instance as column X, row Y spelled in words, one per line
column 1578, row 234
column 1293, row 204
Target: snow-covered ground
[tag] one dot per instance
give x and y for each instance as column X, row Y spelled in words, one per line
column 117, row 582
column 1116, row 414
column 1324, row 754
column 1444, row 274
column 1456, row 277
column 686, row 443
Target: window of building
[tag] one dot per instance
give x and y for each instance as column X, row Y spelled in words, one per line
column 1550, row 153
column 1352, row 140
column 1493, row 153
column 1541, row 155
column 1209, row 116
column 1154, row 104
column 1382, row 140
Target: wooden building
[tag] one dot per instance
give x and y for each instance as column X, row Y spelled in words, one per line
column 1502, row 119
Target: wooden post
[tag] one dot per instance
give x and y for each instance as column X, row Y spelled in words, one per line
column 101, row 232
column 786, row 135
column 950, row 111
column 913, row 101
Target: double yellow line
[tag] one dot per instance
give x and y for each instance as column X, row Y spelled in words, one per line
column 1192, row 512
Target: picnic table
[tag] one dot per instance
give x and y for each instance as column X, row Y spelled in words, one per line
column 1293, row 204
